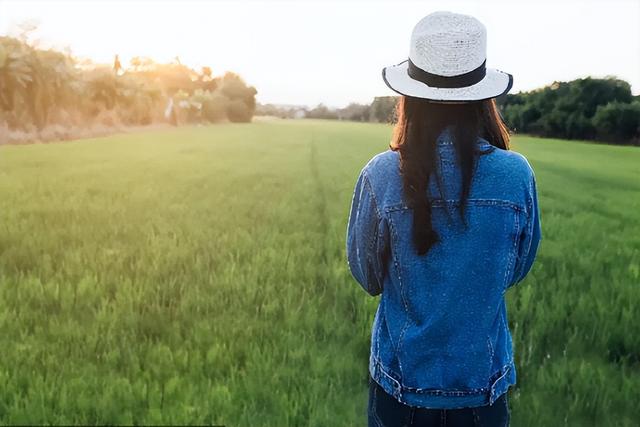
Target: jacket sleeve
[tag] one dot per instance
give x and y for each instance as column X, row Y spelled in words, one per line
column 367, row 238
column 530, row 236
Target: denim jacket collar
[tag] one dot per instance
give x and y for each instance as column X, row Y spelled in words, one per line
column 445, row 138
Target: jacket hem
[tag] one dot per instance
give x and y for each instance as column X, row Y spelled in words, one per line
column 499, row 383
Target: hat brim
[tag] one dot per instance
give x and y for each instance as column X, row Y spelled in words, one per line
column 494, row 84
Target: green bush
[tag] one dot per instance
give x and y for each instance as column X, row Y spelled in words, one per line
column 618, row 121
column 214, row 109
column 238, row 111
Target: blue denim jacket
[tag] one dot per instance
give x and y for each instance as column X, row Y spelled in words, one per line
column 440, row 337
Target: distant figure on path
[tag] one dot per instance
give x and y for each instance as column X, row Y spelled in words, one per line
column 441, row 226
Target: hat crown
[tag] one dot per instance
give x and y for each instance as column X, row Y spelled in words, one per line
column 448, row 44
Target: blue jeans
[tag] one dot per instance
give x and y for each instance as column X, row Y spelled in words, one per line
column 385, row 411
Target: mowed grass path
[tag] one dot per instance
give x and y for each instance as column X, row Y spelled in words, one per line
column 198, row 276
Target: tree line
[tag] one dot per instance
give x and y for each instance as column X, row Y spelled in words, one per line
column 44, row 91
column 586, row 109
column 381, row 110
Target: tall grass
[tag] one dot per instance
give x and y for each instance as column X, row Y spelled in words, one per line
column 198, row 275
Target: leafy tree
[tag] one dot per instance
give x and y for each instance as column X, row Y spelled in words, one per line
column 321, row 111
column 618, row 121
column 239, row 111
column 214, row 109
column 355, row 112
column 383, row 108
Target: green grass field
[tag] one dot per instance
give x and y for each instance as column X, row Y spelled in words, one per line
column 198, row 275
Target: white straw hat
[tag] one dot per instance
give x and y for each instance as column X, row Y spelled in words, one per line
column 447, row 62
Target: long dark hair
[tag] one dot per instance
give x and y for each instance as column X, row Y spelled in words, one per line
column 419, row 123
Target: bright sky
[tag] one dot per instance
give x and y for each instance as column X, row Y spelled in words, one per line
column 307, row 52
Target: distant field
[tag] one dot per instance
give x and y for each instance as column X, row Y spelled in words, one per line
column 198, row 276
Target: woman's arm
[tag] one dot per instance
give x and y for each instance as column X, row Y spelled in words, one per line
column 530, row 237
column 367, row 238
